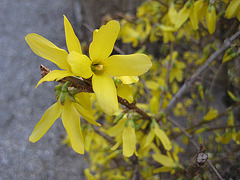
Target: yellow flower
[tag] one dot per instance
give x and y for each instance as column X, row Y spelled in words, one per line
column 101, row 66
column 156, row 131
column 129, row 139
column 233, row 9
column 69, row 112
column 211, row 19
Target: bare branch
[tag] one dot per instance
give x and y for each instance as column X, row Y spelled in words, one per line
column 186, row 86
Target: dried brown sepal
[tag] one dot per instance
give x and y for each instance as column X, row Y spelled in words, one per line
column 44, row 70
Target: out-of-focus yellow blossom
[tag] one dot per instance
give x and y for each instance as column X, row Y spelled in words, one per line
column 90, row 176
column 101, row 65
column 211, row 19
column 233, row 9
column 156, row 131
column 172, row 13
column 69, row 111
column 201, row 8
column 129, row 139
column 124, row 132
column 135, row 33
column 211, row 114
column 183, row 15
column 166, row 161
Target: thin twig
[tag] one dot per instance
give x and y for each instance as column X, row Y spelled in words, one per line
column 195, row 145
column 187, row 85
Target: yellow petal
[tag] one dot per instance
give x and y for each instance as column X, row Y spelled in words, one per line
column 162, row 169
column 238, row 15
column 129, row 140
column 194, row 17
column 71, row 122
column 83, row 99
column 211, row 19
column 118, row 142
column 163, row 137
column 89, row 175
column 125, row 91
column 149, row 138
column 212, row 113
column 72, row 41
column 172, row 13
column 54, row 75
column 154, row 104
column 200, row 7
column 182, row 16
column 80, row 64
column 167, row 28
column 46, row 49
column 164, row 160
column 106, row 93
column 117, row 129
column 46, row 122
column 233, row 8
column 103, row 41
column 127, row 65
column 129, row 79
column 87, row 115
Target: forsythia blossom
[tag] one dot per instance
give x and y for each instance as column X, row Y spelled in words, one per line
column 69, row 109
column 100, row 66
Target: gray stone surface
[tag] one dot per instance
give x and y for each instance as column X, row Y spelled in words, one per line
column 21, row 105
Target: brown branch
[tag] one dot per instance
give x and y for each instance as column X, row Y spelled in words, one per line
column 197, row 164
column 188, row 83
column 195, row 145
column 133, row 107
column 191, row 129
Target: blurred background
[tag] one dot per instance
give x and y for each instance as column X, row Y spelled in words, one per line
column 21, row 105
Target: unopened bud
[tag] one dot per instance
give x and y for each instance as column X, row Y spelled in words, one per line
column 63, row 96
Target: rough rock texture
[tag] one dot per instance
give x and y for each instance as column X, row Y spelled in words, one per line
column 21, row 105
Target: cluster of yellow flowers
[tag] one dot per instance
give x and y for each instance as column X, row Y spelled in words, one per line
column 117, row 147
column 101, row 67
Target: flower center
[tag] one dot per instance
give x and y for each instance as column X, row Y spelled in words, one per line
column 97, row 68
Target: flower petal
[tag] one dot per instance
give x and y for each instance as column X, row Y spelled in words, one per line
column 80, row 64
column 48, row 118
column 125, row 91
column 87, row 115
column 71, row 122
column 103, row 41
column 129, row 79
column 129, row 140
column 149, row 138
column 182, row 16
column 164, row 160
column 83, row 99
column 106, row 93
column 127, row 65
column 46, row 49
column 72, row 41
column 233, row 9
column 117, row 129
column 54, row 75
column 163, row 137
